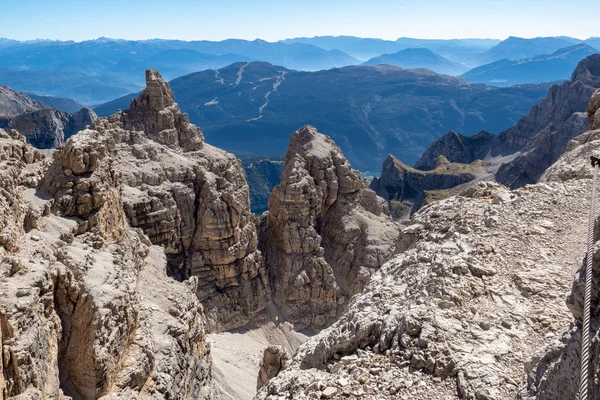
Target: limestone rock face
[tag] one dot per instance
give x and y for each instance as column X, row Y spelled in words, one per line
column 274, row 360
column 87, row 309
column 79, row 121
column 186, row 196
column 467, row 307
column 325, row 231
column 14, row 103
column 592, row 111
column 461, row 312
column 19, row 165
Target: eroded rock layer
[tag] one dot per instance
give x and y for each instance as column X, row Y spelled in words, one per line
column 326, row 232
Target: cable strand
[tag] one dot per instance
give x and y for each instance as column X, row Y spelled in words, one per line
column 585, row 333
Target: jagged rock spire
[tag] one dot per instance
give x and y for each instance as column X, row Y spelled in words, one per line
column 156, row 113
column 320, row 242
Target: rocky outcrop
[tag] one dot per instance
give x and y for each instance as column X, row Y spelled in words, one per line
column 592, row 111
column 274, row 360
column 457, row 148
column 44, row 127
column 78, row 121
column 408, row 189
column 325, row 233
column 459, row 314
column 185, row 195
column 87, row 310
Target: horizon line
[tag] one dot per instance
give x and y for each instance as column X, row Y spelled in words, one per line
column 289, row 38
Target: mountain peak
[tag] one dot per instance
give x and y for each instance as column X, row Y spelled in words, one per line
column 159, row 93
column 589, row 66
column 156, row 113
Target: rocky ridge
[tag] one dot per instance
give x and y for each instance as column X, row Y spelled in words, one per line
column 456, row 148
column 543, row 135
column 92, row 237
column 519, row 155
column 186, row 196
column 407, row 189
column 44, row 127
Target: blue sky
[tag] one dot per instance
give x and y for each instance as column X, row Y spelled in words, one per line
column 273, row 20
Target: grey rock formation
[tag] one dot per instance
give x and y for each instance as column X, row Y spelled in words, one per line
column 155, row 113
column 408, row 189
column 185, row 195
column 87, row 310
column 79, row 121
column 592, row 111
column 457, row 148
column 326, row 232
column 274, row 360
column 461, row 312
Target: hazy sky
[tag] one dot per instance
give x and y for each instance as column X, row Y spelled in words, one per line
column 279, row 19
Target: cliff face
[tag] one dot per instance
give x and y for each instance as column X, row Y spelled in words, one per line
column 408, row 189
column 14, row 103
column 326, row 232
column 87, row 310
column 91, row 239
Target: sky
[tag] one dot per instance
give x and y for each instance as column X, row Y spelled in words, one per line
column 274, row 20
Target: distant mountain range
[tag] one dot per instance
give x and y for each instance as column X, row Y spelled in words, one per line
column 369, row 111
column 419, row 58
column 95, row 71
column 367, row 48
column 544, row 68
column 515, row 48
